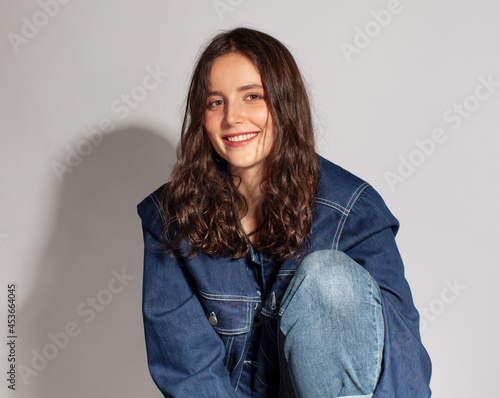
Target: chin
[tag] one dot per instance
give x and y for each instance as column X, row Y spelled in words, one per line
column 242, row 164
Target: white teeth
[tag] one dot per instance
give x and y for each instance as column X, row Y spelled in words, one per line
column 241, row 137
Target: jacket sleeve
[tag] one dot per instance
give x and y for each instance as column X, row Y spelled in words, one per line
column 184, row 352
column 370, row 231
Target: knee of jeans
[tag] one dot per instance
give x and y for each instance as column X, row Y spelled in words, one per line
column 333, row 278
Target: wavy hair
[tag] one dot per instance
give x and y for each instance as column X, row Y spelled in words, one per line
column 201, row 200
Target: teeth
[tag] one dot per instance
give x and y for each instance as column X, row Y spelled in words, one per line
column 243, row 137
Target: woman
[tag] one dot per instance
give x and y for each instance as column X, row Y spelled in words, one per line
column 268, row 270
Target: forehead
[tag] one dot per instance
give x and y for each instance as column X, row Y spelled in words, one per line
column 233, row 70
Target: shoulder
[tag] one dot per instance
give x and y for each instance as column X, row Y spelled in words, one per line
column 347, row 193
column 151, row 211
column 338, row 185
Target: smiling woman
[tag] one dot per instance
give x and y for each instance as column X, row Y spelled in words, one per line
column 239, row 127
column 237, row 120
column 244, row 83
column 270, row 271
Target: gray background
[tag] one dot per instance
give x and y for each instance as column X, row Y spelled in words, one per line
column 61, row 239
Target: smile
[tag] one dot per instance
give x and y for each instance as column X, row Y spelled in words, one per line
column 236, row 140
column 242, row 137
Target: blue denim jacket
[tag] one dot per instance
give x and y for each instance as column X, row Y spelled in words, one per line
column 211, row 322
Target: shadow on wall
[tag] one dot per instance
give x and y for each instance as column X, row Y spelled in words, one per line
column 82, row 325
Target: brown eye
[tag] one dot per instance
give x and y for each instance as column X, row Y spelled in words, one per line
column 215, row 103
column 254, row 96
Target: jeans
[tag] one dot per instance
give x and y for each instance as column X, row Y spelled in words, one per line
column 331, row 332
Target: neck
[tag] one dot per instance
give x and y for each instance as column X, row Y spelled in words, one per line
column 249, row 187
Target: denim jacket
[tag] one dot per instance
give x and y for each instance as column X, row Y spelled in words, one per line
column 211, row 323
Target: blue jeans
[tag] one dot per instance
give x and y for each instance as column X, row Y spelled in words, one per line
column 331, row 329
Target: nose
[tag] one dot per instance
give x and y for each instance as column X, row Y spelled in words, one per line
column 234, row 113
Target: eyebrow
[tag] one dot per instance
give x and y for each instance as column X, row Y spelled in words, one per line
column 242, row 88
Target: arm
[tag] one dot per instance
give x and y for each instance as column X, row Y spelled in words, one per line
column 371, row 229
column 184, row 352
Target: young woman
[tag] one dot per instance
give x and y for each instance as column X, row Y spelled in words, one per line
column 268, row 270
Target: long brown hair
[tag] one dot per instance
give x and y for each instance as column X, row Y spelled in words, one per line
column 201, row 200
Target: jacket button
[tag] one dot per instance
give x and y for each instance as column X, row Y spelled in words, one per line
column 213, row 319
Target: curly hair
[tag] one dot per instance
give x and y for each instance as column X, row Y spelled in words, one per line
column 201, row 199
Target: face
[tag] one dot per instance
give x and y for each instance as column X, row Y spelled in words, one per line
column 237, row 120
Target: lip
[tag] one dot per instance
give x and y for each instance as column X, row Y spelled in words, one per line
column 239, row 143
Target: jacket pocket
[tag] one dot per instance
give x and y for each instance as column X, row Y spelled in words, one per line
column 231, row 317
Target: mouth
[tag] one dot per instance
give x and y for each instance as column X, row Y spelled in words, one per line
column 239, row 138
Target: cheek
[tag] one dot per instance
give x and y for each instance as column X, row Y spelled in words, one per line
column 263, row 116
column 267, row 121
column 209, row 127
column 269, row 136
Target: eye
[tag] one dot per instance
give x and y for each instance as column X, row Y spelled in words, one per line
column 254, row 96
column 213, row 104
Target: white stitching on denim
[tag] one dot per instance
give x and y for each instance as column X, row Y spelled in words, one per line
column 286, row 272
column 244, row 329
column 350, row 204
column 354, row 197
column 229, row 297
column 269, row 314
column 229, row 347
column 333, row 205
column 338, row 232
column 241, row 355
column 258, row 378
column 232, row 332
